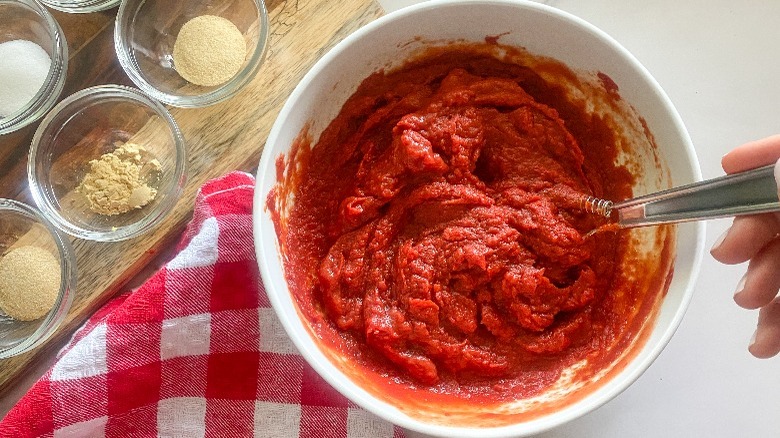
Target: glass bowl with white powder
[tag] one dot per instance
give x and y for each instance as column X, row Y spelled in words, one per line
column 191, row 54
column 37, row 278
column 34, row 64
column 107, row 164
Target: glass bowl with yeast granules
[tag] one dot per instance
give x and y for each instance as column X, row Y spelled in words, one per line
column 34, row 63
column 37, row 278
column 191, row 53
column 107, row 164
column 419, row 226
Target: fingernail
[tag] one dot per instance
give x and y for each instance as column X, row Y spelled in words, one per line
column 753, row 339
column 777, row 175
column 740, row 285
column 720, row 240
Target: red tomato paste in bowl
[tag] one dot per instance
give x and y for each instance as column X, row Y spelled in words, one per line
column 436, row 238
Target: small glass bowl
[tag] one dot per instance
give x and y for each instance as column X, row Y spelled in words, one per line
column 146, row 31
column 80, row 7
column 22, row 225
column 87, row 125
column 31, row 21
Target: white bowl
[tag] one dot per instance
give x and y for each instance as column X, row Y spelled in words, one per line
column 543, row 31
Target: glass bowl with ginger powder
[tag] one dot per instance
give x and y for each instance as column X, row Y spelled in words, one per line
column 107, row 164
column 37, row 278
column 191, row 54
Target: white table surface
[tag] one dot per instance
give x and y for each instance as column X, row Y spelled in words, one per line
column 719, row 62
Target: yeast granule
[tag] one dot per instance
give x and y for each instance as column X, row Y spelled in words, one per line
column 209, row 50
column 29, row 283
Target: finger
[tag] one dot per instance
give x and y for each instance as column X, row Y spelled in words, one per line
column 745, row 238
column 767, row 337
column 752, row 154
column 762, row 281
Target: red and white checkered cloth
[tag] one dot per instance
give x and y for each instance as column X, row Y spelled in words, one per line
column 195, row 351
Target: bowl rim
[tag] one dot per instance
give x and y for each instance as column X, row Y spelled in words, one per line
column 52, row 87
column 223, row 92
column 167, row 202
column 367, row 401
column 68, row 280
column 83, row 7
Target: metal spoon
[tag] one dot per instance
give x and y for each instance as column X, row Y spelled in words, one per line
column 750, row 192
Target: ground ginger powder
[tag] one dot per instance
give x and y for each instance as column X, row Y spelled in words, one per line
column 209, row 50
column 114, row 184
column 29, row 283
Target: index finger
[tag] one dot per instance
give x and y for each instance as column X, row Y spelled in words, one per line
column 752, row 155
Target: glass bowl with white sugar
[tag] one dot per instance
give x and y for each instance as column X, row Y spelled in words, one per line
column 34, row 64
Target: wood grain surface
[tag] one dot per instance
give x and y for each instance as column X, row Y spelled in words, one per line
column 220, row 138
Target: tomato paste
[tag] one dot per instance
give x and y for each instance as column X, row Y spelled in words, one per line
column 437, row 237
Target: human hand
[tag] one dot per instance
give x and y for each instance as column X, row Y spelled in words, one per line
column 756, row 238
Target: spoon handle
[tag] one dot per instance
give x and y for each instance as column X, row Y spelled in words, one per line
column 750, row 192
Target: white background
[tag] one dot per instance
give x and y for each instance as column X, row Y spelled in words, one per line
column 719, row 62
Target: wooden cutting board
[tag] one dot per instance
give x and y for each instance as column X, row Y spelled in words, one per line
column 220, row 138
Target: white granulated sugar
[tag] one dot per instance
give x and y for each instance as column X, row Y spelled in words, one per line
column 23, row 71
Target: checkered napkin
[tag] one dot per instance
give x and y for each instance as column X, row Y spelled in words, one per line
column 195, row 351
